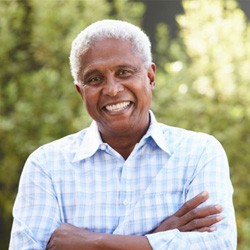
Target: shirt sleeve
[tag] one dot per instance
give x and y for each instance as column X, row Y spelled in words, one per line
column 36, row 211
column 212, row 175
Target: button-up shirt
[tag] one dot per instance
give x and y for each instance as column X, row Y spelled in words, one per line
column 81, row 180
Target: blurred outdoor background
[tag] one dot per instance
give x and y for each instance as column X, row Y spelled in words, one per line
column 201, row 48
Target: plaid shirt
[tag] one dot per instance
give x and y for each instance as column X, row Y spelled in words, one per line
column 81, row 180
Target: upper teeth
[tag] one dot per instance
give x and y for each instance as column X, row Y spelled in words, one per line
column 118, row 106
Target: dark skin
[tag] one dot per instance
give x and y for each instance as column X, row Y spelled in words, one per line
column 188, row 218
column 113, row 76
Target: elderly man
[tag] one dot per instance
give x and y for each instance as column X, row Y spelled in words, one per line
column 126, row 182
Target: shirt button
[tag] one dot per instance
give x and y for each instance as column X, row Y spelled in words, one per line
column 125, row 203
column 103, row 147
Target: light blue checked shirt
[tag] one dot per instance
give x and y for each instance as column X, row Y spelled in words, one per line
column 83, row 181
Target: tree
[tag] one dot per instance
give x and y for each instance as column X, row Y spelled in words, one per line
column 202, row 82
column 38, row 102
column 204, row 85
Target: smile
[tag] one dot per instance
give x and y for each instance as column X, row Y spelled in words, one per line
column 117, row 107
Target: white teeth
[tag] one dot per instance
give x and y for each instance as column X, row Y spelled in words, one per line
column 118, row 106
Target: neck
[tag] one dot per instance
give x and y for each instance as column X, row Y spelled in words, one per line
column 124, row 144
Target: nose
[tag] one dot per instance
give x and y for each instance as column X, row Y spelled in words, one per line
column 112, row 86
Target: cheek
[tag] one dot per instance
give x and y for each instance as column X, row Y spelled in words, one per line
column 147, row 98
column 90, row 98
column 146, row 93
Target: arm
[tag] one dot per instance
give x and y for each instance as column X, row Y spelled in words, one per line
column 187, row 218
column 191, row 218
column 36, row 211
column 207, row 170
column 69, row 237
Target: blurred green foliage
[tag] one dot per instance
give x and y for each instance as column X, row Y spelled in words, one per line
column 203, row 83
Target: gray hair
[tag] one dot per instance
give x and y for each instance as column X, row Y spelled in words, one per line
column 109, row 29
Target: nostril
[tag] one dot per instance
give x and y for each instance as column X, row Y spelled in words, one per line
column 112, row 89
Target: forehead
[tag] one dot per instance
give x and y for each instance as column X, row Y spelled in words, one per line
column 109, row 52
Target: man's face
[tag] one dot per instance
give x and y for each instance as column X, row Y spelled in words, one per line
column 116, row 87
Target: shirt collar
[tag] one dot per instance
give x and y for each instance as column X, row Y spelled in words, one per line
column 92, row 140
column 156, row 133
column 90, row 143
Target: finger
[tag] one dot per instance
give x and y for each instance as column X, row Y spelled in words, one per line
column 48, row 247
column 197, row 224
column 201, row 213
column 206, row 229
column 191, row 204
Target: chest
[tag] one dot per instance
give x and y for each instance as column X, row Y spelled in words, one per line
column 107, row 194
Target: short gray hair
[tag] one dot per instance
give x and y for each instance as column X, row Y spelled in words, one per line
column 109, row 29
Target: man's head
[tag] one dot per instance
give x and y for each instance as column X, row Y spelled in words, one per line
column 109, row 29
column 113, row 72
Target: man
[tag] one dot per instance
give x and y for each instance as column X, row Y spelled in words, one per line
column 127, row 181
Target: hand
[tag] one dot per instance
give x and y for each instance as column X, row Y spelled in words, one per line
column 190, row 218
column 69, row 237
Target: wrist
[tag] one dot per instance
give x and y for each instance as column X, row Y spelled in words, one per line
column 90, row 240
column 98, row 241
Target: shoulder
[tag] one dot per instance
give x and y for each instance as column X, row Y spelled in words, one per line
column 181, row 133
column 62, row 148
column 187, row 140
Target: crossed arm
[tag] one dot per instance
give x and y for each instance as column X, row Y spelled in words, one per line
column 188, row 218
column 37, row 223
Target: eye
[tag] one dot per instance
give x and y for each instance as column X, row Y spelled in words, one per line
column 123, row 73
column 94, row 80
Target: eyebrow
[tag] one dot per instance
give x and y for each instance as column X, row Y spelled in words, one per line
column 127, row 66
column 91, row 72
column 122, row 66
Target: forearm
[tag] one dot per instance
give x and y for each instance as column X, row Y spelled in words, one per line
column 68, row 237
column 123, row 242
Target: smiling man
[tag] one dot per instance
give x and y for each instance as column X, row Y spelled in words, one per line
column 116, row 88
column 127, row 182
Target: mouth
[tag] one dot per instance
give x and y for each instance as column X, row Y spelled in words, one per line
column 117, row 107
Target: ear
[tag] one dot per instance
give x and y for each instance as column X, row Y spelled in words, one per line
column 151, row 75
column 78, row 88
